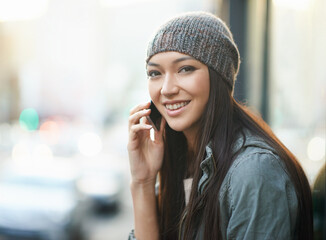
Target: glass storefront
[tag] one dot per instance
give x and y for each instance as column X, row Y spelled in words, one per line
column 296, row 80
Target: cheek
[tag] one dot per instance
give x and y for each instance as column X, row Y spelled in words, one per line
column 206, row 88
column 201, row 87
column 205, row 84
column 154, row 91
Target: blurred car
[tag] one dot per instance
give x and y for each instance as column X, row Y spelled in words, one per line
column 103, row 185
column 40, row 204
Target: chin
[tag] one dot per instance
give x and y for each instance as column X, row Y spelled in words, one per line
column 177, row 127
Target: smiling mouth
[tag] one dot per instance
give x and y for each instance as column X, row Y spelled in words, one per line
column 176, row 106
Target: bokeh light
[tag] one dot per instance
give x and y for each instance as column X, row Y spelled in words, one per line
column 316, row 149
column 42, row 152
column 293, row 4
column 17, row 10
column 90, row 144
column 50, row 132
column 20, row 153
column 29, row 119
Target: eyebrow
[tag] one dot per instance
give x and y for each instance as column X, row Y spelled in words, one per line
column 175, row 61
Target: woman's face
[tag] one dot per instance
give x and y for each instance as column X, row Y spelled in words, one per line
column 179, row 87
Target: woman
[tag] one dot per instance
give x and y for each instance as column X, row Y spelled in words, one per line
column 222, row 173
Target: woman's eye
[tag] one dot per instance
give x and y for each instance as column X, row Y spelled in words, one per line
column 187, row 69
column 153, row 73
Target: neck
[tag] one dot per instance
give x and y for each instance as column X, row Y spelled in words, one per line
column 191, row 135
column 191, row 138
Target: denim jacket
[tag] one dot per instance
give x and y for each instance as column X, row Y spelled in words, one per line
column 257, row 197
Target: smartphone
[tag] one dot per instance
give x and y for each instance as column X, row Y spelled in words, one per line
column 155, row 117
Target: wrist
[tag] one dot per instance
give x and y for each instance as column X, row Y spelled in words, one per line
column 149, row 183
column 143, row 188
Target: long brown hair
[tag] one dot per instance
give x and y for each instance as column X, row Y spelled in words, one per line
column 223, row 119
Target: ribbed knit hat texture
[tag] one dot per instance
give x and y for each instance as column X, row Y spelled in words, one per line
column 203, row 36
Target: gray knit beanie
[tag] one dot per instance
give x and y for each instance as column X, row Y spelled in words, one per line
column 203, row 36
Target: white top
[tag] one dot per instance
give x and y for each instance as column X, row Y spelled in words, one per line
column 187, row 183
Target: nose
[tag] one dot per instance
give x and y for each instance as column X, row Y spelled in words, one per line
column 169, row 86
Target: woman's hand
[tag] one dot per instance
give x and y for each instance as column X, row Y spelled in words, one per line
column 145, row 155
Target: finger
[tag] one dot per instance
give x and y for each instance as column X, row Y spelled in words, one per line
column 135, row 118
column 135, row 129
column 139, row 107
column 144, row 120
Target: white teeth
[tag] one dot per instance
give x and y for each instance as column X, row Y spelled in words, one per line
column 176, row 105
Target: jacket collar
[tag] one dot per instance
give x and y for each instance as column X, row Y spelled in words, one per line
column 208, row 166
column 250, row 140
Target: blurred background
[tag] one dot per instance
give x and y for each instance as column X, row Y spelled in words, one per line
column 70, row 70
